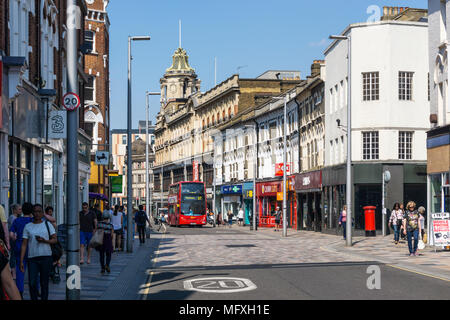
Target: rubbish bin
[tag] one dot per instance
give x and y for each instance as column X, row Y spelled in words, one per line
column 369, row 218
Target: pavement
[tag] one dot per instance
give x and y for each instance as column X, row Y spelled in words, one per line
column 131, row 273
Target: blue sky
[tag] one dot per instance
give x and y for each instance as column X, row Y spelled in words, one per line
column 258, row 34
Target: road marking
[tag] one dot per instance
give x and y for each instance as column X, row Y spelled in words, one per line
column 146, row 286
column 219, row 285
column 422, row 274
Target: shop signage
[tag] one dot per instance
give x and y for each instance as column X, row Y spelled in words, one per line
column 279, row 169
column 308, row 181
column 279, row 196
column 248, row 194
column 102, row 158
column 441, row 229
column 236, row 189
column 57, row 125
column 195, row 170
column 116, row 184
column 268, row 189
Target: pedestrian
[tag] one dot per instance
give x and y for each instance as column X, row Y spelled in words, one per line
column 16, row 213
column 106, row 249
column 402, row 234
column 4, row 234
column 141, row 220
column 48, row 215
column 117, row 222
column 8, row 287
column 421, row 211
column 38, row 236
column 97, row 212
column 219, row 219
column 230, row 218
column 411, row 227
column 395, row 221
column 88, row 224
column 241, row 216
column 17, row 232
column 277, row 218
column 343, row 221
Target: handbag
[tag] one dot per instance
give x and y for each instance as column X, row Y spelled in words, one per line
column 97, row 238
column 421, row 245
column 57, row 249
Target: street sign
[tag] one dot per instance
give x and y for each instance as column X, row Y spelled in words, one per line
column 71, row 101
column 102, row 158
column 116, row 184
column 57, row 125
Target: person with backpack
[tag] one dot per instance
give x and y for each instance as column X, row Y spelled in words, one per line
column 141, row 219
column 38, row 236
column 8, row 288
column 16, row 231
column 411, row 227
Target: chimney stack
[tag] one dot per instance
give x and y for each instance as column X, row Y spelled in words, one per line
column 315, row 67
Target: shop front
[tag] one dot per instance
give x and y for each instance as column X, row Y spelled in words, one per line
column 267, row 200
column 247, row 196
column 231, row 200
column 308, row 187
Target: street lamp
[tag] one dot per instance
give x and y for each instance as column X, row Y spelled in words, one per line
column 284, row 163
column 349, row 139
column 129, row 162
column 255, row 165
column 147, row 184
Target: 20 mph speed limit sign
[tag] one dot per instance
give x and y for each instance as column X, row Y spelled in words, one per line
column 71, row 101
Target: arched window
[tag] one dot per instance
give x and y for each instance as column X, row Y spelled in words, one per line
column 229, row 112
column 218, row 117
column 213, row 120
column 207, row 122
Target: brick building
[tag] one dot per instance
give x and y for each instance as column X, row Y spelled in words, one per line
column 33, row 81
column 96, row 91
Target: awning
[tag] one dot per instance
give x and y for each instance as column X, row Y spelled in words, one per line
column 97, row 196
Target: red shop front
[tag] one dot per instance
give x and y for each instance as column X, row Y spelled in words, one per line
column 269, row 196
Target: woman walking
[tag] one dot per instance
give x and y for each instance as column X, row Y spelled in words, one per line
column 117, row 222
column 396, row 221
column 422, row 221
column 343, row 220
column 16, row 231
column 411, row 227
column 106, row 249
column 38, row 237
column 8, row 288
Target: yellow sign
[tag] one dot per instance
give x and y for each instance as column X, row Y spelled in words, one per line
column 279, row 196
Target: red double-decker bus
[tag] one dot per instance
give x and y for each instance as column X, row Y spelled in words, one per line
column 187, row 204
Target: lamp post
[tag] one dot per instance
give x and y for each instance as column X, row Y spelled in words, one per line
column 129, row 151
column 147, row 169
column 349, row 140
column 285, row 98
column 255, row 168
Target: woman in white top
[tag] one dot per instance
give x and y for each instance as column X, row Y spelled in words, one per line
column 117, row 222
column 422, row 221
column 241, row 216
column 37, row 237
column 395, row 221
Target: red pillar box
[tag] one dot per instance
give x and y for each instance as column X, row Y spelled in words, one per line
column 369, row 217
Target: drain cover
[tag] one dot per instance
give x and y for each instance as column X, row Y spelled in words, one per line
column 240, row 246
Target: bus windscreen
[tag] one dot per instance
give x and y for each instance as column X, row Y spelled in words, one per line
column 193, row 188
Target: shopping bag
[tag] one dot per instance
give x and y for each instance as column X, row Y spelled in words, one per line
column 97, row 238
column 421, row 245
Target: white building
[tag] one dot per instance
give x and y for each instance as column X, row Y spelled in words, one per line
column 438, row 140
column 389, row 96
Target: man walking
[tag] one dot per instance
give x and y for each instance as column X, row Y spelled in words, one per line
column 88, row 224
column 277, row 218
column 241, row 216
column 141, row 219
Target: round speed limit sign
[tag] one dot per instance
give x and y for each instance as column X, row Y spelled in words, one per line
column 71, row 101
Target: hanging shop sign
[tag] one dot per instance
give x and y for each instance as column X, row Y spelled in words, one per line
column 308, row 181
column 116, row 184
column 195, row 170
column 57, row 125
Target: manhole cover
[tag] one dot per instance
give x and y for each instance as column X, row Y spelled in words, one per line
column 240, row 246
